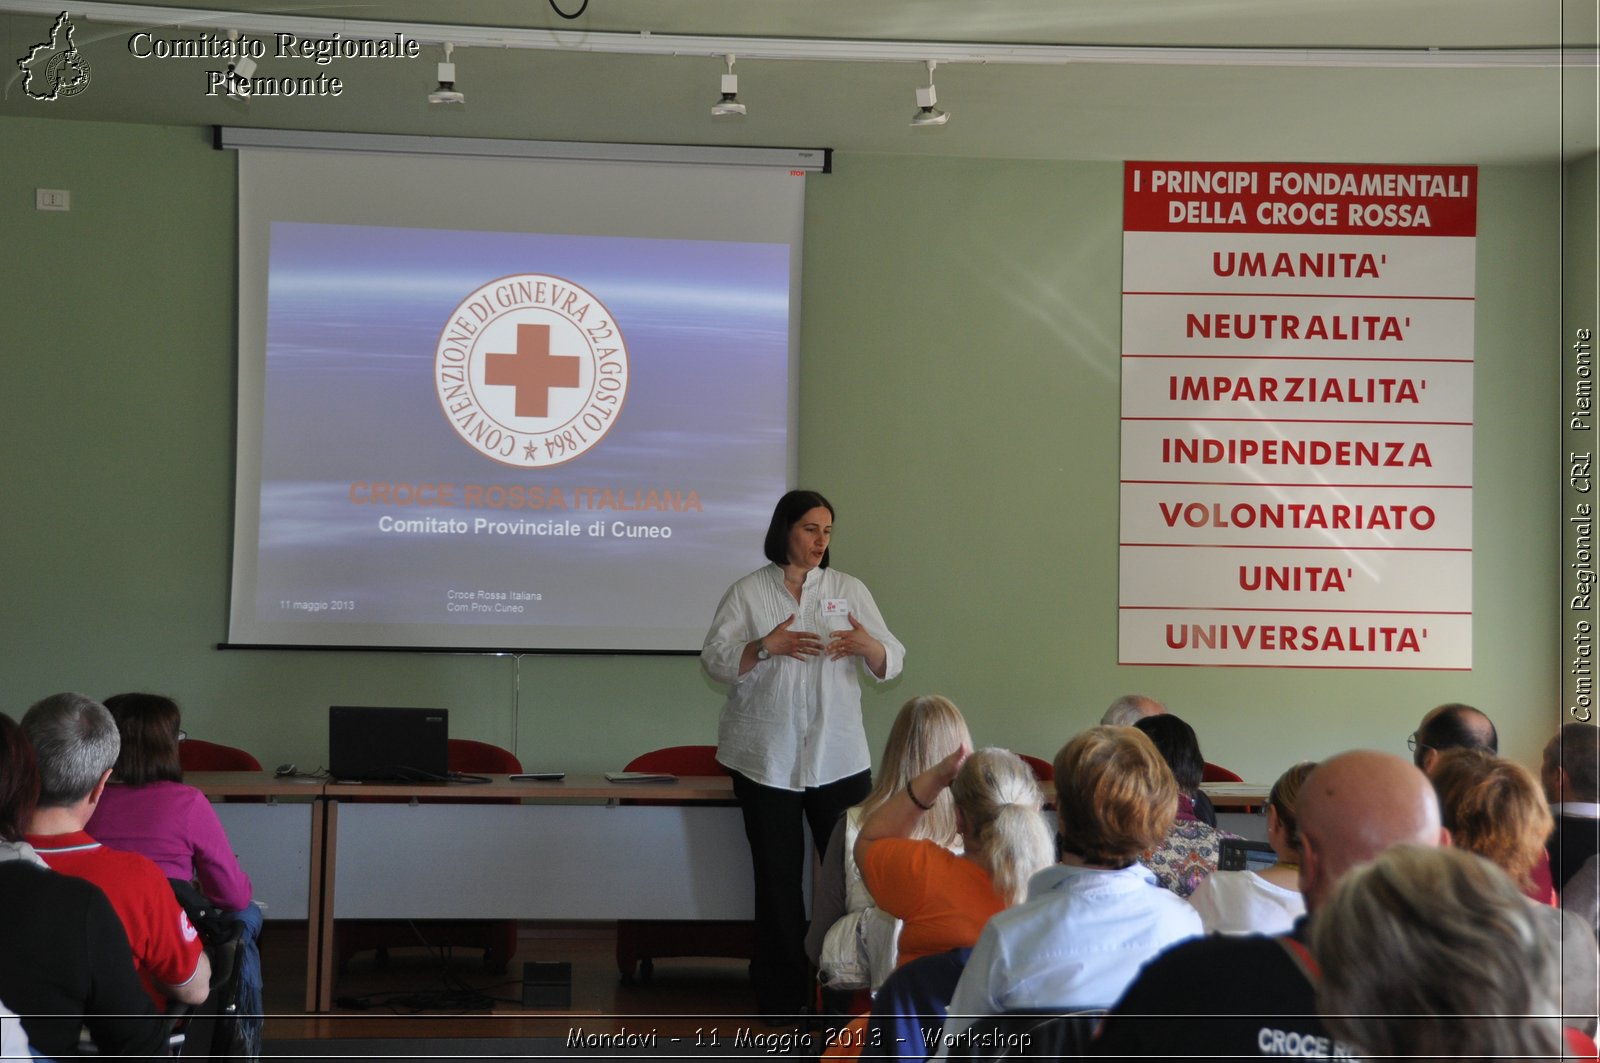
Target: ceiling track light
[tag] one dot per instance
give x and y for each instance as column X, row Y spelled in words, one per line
column 240, row 69
column 729, row 106
column 927, row 113
column 446, row 92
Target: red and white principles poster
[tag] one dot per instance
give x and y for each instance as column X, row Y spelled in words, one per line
column 1297, row 346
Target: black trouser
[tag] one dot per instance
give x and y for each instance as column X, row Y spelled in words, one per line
column 774, row 824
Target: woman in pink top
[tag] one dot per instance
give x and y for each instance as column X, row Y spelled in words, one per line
column 147, row 808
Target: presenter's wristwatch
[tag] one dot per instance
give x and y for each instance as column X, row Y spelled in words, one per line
column 761, row 651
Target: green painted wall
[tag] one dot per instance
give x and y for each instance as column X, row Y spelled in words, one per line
column 959, row 404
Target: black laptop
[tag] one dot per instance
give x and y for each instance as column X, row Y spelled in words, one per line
column 388, row 745
column 1242, row 854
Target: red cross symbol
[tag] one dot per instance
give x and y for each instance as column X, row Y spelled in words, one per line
column 532, row 370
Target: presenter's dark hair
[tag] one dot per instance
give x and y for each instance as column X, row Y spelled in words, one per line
column 1179, row 747
column 19, row 780
column 148, row 724
column 785, row 515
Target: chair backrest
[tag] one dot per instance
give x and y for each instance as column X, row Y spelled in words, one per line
column 195, row 754
column 912, row 1001
column 216, row 1029
column 1043, row 770
column 1217, row 773
column 468, row 755
column 679, row 760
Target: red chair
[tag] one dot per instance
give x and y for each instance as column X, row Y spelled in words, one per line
column 481, row 758
column 496, row 937
column 1217, row 773
column 641, row 941
column 196, row 754
column 1043, row 770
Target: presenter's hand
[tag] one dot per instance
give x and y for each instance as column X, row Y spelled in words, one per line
column 782, row 642
column 854, row 641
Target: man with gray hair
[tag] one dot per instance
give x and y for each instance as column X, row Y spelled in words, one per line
column 76, row 742
column 1130, row 709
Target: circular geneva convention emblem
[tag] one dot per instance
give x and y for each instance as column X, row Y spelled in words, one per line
column 531, row 370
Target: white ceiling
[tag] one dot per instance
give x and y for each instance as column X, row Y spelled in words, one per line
column 1432, row 111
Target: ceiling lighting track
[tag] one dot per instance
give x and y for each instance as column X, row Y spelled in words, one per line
column 816, row 49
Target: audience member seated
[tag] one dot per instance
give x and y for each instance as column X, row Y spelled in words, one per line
column 852, row 941
column 1493, row 807
column 147, row 809
column 1130, row 709
column 944, row 899
column 1092, row 920
column 1582, row 893
column 1432, row 953
column 1190, row 849
column 1570, row 774
column 1248, row 996
column 65, row 966
column 1452, row 726
column 1266, row 901
column 76, row 743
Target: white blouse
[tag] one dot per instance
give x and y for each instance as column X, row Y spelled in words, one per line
column 1242, row 902
column 792, row 723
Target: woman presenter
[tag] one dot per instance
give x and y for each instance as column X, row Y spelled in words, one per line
column 786, row 640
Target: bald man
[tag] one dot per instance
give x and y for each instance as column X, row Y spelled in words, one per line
column 1192, row 999
column 1451, row 726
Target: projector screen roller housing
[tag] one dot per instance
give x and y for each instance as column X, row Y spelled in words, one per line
column 507, row 404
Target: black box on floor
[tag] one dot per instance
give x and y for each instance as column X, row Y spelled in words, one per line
column 547, row 985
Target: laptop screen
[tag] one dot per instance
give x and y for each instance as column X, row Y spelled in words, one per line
column 1240, row 854
column 388, row 744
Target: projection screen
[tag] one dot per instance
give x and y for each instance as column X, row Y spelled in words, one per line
column 493, row 403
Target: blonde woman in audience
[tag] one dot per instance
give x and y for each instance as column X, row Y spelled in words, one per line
column 1266, row 901
column 1494, row 807
column 943, row 898
column 1093, row 920
column 1434, row 953
column 852, row 941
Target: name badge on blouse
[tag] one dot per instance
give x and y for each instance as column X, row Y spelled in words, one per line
column 836, row 613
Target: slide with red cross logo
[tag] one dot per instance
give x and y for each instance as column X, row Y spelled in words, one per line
column 513, row 440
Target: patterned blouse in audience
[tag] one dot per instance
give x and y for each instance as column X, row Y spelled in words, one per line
column 1191, row 848
column 1189, row 852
